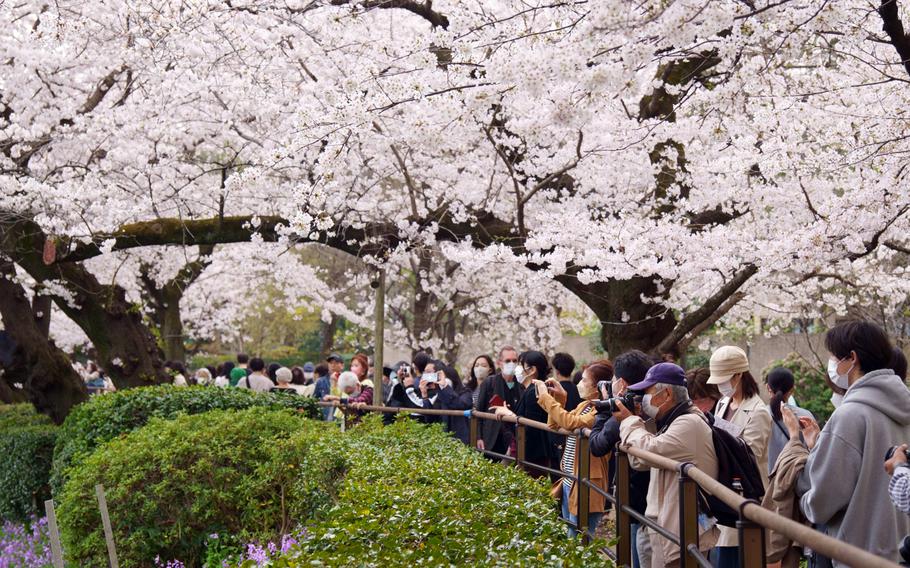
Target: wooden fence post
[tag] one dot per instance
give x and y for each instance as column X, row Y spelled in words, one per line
column 56, row 549
column 106, row 522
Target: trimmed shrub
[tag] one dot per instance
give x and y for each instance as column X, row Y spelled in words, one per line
column 195, row 488
column 27, row 446
column 415, row 496
column 105, row 417
column 173, row 483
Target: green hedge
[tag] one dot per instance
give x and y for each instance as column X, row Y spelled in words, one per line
column 415, row 496
column 105, row 417
column 27, row 446
column 198, row 488
column 173, row 483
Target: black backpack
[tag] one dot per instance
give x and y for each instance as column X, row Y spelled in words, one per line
column 735, row 461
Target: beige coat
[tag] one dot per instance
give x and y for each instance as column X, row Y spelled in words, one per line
column 781, row 498
column 688, row 439
column 755, row 420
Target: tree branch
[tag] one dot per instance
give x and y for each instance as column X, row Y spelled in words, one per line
column 694, row 319
column 424, row 9
column 893, row 26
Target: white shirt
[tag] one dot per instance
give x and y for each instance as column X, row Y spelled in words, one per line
column 257, row 382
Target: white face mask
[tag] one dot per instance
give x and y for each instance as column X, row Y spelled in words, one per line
column 519, row 373
column 837, row 400
column 649, row 408
column 508, row 369
column 726, row 389
column 842, row 381
column 308, row 375
column 481, row 373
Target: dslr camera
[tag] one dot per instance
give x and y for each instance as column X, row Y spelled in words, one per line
column 629, row 400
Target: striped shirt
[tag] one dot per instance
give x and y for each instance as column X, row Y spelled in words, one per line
column 899, row 488
column 568, row 454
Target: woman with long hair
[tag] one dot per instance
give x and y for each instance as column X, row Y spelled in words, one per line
column 481, row 368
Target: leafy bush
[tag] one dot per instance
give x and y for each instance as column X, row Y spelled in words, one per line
column 812, row 392
column 414, row 496
column 173, row 483
column 27, row 446
column 103, row 418
column 20, row 415
column 192, row 489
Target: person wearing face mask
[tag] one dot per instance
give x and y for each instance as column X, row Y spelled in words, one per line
column 502, row 387
column 481, row 368
column 551, row 397
column 629, row 368
column 743, row 407
column 539, row 449
column 683, row 435
column 844, row 486
column 449, row 394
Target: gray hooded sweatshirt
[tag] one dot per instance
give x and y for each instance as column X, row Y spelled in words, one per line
column 847, row 482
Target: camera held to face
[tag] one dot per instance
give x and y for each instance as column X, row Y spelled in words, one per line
column 630, row 400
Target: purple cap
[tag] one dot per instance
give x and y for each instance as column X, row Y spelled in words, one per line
column 666, row 373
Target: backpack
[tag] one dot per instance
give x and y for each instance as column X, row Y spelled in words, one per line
column 735, row 461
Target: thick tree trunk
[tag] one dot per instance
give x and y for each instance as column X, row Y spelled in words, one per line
column 41, row 307
column 127, row 350
column 172, row 326
column 327, row 332
column 48, row 377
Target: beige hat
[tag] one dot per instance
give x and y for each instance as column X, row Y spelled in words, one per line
column 726, row 362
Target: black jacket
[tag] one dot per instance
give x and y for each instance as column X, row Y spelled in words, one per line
column 449, row 399
column 490, row 430
column 538, row 444
column 604, row 437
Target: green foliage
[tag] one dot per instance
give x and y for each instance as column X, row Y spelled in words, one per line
column 415, row 496
column 812, row 392
column 27, row 446
column 173, row 483
column 105, row 417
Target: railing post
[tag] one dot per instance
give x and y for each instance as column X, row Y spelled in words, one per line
column 688, row 516
column 623, row 519
column 521, row 437
column 751, row 541
column 474, row 426
column 344, row 418
column 583, row 455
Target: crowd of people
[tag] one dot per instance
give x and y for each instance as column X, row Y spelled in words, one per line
column 850, row 479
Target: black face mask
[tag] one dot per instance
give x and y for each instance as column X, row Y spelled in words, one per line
column 431, row 392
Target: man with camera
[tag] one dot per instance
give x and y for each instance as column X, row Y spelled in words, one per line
column 629, row 368
column 683, row 435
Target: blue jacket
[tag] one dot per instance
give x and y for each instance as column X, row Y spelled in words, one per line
column 324, row 387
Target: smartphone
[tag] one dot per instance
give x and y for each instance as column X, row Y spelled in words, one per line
column 497, row 400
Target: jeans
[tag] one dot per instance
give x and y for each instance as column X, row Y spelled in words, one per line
column 725, row 557
column 641, row 551
column 593, row 518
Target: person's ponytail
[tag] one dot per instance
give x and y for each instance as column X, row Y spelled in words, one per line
column 776, row 400
column 781, row 381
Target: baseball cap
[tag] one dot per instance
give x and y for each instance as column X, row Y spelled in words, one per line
column 725, row 362
column 308, row 367
column 662, row 373
column 334, row 357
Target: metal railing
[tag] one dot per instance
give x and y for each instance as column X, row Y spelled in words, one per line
column 754, row 519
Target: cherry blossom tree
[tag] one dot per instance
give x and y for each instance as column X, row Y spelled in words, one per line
column 668, row 163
